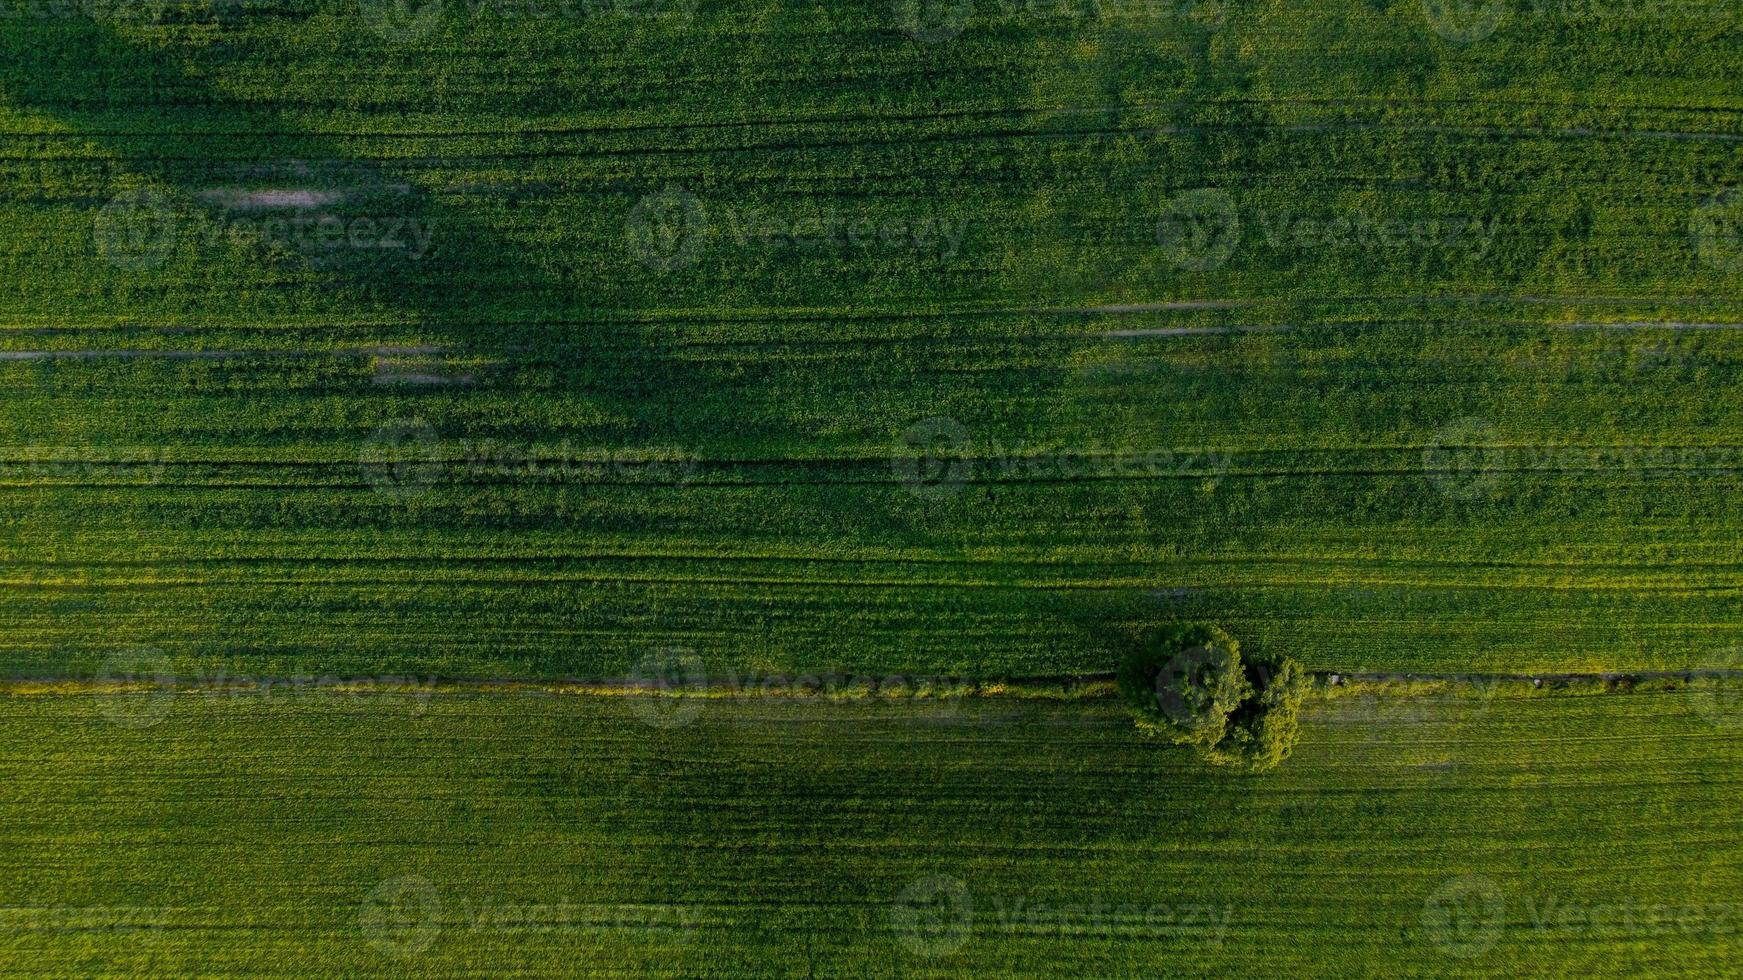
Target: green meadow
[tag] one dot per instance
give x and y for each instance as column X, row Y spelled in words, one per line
column 395, row 391
column 328, row 833
column 547, row 338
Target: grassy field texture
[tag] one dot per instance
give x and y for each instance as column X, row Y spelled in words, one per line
column 523, row 344
column 309, row 832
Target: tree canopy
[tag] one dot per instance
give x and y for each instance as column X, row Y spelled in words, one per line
column 1192, row 686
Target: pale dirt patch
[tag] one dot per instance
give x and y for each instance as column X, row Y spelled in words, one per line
column 238, row 199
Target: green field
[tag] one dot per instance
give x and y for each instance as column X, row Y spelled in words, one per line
column 690, row 290
column 499, row 833
column 439, row 368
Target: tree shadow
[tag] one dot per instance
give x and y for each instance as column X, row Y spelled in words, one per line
column 220, row 175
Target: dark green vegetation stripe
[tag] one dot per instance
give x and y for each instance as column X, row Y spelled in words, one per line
column 323, row 833
column 536, row 342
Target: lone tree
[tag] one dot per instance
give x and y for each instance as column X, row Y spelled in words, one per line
column 1184, row 686
column 1192, row 687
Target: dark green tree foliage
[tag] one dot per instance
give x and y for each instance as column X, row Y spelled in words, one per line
column 1184, row 686
column 1192, row 687
column 1263, row 729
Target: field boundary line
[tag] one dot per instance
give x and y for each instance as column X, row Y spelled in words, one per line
column 838, row 686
